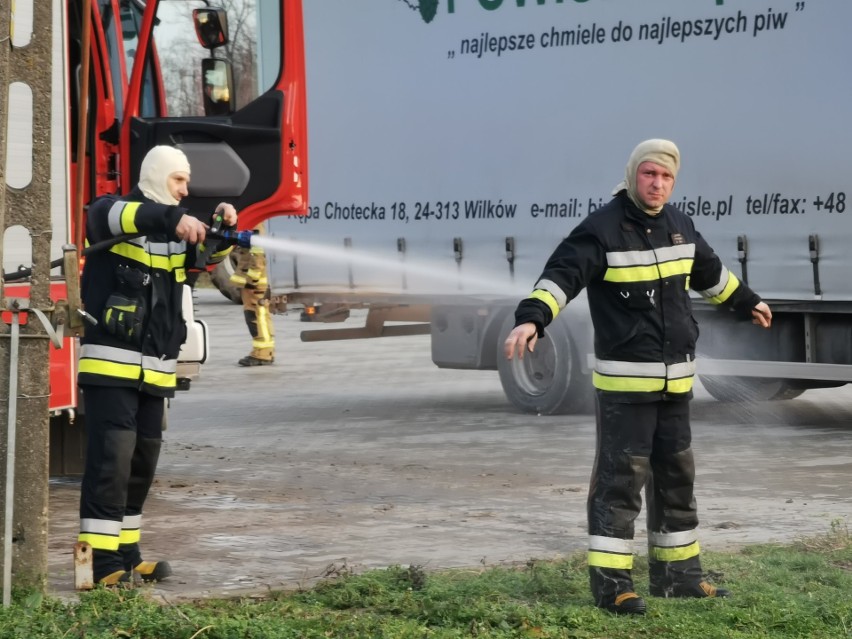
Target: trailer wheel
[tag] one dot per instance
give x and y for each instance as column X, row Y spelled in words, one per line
column 749, row 389
column 548, row 381
column 221, row 279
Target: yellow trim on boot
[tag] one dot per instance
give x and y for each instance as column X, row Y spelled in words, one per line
column 625, row 596
column 153, row 570
column 119, row 577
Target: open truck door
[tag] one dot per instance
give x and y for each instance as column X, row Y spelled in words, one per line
column 246, row 150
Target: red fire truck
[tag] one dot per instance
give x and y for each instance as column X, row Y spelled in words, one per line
column 137, row 74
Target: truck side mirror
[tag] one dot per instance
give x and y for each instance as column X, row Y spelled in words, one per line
column 217, row 78
column 211, row 27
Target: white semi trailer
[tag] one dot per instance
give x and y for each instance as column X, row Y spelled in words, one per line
column 455, row 142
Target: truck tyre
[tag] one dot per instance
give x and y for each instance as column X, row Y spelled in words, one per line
column 749, row 389
column 221, row 278
column 548, row 381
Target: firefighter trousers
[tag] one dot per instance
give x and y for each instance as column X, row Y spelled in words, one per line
column 124, row 432
column 251, row 274
column 642, row 445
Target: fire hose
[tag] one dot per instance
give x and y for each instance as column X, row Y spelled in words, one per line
column 227, row 237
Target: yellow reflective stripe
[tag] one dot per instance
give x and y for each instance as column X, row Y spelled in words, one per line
column 128, row 217
column 632, row 274
column 730, row 287
column 649, row 273
column 675, row 554
column 254, row 273
column 130, row 309
column 156, row 378
column 683, row 385
column 263, row 323
column 260, row 343
column 547, row 298
column 237, row 279
column 110, row 369
column 609, row 560
column 627, row 384
column 99, row 542
column 138, row 254
column 222, row 253
column 132, row 252
column 129, row 536
column 256, row 250
column 678, row 267
column 180, row 275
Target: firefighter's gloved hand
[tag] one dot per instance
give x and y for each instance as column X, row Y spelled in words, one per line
column 124, row 318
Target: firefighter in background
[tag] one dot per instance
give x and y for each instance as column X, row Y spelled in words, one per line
column 128, row 359
column 638, row 256
column 251, row 276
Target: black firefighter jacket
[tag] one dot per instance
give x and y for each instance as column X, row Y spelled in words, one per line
column 638, row 270
column 134, row 289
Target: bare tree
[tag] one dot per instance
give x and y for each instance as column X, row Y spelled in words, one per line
column 181, row 54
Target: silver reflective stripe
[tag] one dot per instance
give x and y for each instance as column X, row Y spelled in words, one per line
column 630, row 369
column 100, row 527
column 165, row 249
column 679, row 252
column 673, row 540
column 114, row 218
column 713, row 291
column 159, row 248
column 645, row 369
column 631, row 258
column 132, row 522
column 552, row 288
column 110, row 353
column 684, row 369
column 141, row 242
column 610, row 544
column 159, row 365
column 647, row 258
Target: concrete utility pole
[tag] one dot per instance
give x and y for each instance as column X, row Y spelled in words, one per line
column 28, row 207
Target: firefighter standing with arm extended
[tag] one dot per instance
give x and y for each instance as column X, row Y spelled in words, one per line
column 638, row 257
column 128, row 360
column 251, row 276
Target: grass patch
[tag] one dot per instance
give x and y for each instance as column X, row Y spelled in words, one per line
column 800, row 591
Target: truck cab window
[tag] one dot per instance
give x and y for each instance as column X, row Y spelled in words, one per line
column 182, row 75
column 131, row 24
column 114, row 51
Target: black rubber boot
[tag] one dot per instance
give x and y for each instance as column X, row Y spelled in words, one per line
column 613, row 591
column 130, row 555
column 149, row 571
column 108, row 568
column 250, row 360
column 681, row 579
column 117, row 579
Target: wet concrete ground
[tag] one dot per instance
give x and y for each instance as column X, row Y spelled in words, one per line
column 345, row 456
